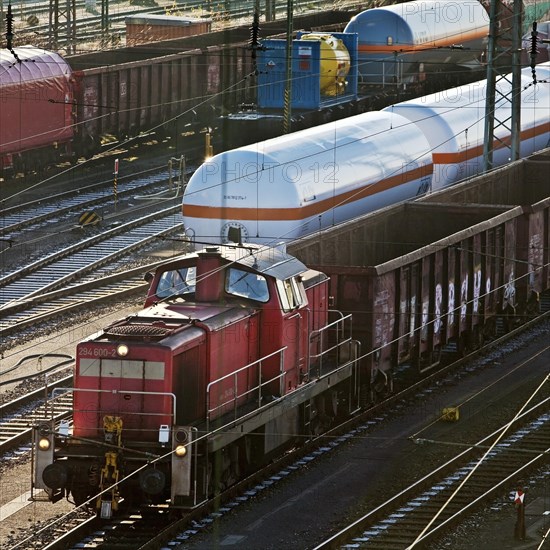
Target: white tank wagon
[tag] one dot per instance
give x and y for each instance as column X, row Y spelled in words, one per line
column 453, row 122
column 294, row 185
column 401, row 42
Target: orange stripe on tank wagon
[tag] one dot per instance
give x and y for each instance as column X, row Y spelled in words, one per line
column 406, row 48
column 316, row 208
column 473, row 152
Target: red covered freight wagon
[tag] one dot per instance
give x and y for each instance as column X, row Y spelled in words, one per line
column 36, row 108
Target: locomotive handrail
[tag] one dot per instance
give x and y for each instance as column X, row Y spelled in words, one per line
column 235, row 398
column 323, row 330
column 134, row 392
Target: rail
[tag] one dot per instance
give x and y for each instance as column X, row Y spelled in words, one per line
column 394, row 514
column 238, row 398
column 89, row 27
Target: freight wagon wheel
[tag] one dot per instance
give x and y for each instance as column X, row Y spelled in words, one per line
column 429, row 359
column 522, row 314
column 31, row 166
column 477, row 337
column 473, row 339
column 134, row 131
column 7, row 173
column 463, row 347
column 470, row 341
column 161, row 133
column 89, row 147
column 18, row 165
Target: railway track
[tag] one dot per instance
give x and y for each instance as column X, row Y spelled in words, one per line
column 84, row 270
column 112, row 534
column 65, row 266
column 89, row 25
column 51, row 209
column 18, row 416
column 133, row 530
column 43, row 307
column 418, row 514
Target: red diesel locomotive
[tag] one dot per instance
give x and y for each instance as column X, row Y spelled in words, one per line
column 235, row 355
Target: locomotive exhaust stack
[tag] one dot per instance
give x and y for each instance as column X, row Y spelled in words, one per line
column 209, row 276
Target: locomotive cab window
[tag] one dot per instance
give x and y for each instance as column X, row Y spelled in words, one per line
column 177, row 281
column 246, row 284
column 291, row 293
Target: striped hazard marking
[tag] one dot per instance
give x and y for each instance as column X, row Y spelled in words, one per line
column 89, row 218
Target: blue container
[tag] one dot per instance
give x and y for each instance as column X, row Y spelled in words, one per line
column 306, row 74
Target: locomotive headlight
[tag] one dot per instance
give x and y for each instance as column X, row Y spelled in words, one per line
column 122, row 350
column 181, row 451
column 44, row 444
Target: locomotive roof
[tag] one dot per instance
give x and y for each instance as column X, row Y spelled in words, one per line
column 270, row 261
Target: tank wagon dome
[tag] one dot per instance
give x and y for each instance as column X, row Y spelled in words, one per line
column 292, row 185
column 36, row 64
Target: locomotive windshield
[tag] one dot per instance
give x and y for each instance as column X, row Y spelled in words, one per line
column 246, row 284
column 177, row 281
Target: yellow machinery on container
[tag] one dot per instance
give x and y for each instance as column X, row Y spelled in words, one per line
column 335, row 63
